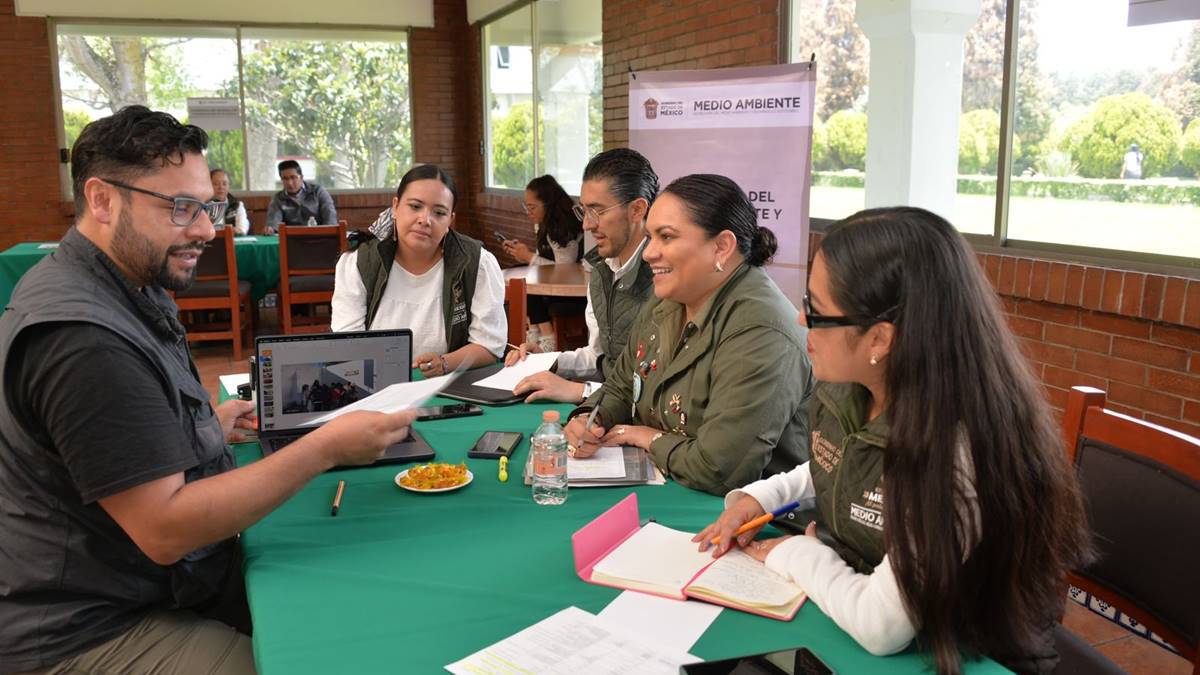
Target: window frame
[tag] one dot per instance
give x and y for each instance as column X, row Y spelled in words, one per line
column 53, row 24
column 998, row 242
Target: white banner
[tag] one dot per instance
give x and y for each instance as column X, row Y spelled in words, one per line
column 753, row 125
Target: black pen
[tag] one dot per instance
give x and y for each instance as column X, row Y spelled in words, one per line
column 337, row 498
column 592, row 415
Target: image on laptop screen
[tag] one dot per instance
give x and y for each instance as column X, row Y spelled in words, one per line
column 302, row 377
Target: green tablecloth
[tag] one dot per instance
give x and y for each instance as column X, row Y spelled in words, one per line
column 404, row 582
column 257, row 257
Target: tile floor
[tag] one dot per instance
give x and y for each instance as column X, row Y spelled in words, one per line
column 1131, row 652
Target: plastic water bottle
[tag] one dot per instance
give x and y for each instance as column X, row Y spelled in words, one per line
column 312, row 221
column 549, row 448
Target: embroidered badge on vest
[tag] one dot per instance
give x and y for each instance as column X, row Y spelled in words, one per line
column 458, row 306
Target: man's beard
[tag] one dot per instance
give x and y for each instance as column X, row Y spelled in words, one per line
column 141, row 259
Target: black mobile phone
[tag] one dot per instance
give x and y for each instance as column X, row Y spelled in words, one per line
column 499, row 237
column 800, row 661
column 496, row 444
column 441, row 412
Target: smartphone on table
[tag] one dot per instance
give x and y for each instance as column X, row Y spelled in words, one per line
column 800, row 661
column 441, row 412
column 495, row 444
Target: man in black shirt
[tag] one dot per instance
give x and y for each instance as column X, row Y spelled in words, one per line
column 119, row 500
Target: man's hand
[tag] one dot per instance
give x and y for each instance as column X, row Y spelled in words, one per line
column 518, row 355
column 361, row 437
column 431, row 364
column 582, row 443
column 547, row 385
column 236, row 414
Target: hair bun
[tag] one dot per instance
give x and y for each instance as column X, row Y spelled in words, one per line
column 762, row 247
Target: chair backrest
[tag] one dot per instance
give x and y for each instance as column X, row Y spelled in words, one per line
column 310, row 250
column 516, row 308
column 214, row 263
column 1141, row 487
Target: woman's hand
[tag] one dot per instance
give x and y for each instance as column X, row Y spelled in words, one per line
column 743, row 511
column 432, row 364
column 630, row 434
column 518, row 355
column 517, row 250
column 236, row 414
column 547, row 385
column 581, row 443
column 759, row 550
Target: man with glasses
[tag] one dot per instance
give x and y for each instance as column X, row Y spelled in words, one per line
column 618, row 188
column 300, row 202
column 119, row 500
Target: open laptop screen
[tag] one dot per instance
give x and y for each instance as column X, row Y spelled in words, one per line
column 304, row 376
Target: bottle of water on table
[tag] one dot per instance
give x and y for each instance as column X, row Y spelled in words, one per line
column 549, row 448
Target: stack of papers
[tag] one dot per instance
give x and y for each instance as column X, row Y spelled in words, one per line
column 507, row 378
column 573, row 642
column 394, row 398
column 230, row 383
column 614, row 465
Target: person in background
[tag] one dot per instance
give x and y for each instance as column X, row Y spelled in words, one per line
column 618, row 188
column 299, row 202
column 559, row 240
column 714, row 382
column 412, row 270
column 1131, row 164
column 120, row 504
column 235, row 210
column 937, row 465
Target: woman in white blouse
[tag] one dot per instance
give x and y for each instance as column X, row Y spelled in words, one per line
column 936, row 465
column 412, row 270
column 559, row 240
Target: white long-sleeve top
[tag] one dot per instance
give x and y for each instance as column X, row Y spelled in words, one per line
column 582, row 362
column 562, row 254
column 415, row 301
column 867, row 606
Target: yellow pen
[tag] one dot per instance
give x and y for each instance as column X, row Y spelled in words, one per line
column 503, row 470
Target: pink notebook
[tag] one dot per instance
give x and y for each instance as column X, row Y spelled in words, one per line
column 661, row 561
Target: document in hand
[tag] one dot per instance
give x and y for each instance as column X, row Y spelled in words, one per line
column 613, row 550
column 394, row 398
column 508, row 377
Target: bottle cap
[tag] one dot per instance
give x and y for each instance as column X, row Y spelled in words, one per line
column 550, row 416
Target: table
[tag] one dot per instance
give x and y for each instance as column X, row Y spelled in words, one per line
column 257, row 257
column 405, row 582
column 566, row 280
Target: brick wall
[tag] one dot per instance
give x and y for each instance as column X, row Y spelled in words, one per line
column 29, row 181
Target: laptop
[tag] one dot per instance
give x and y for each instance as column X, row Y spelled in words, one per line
column 301, row 377
column 465, row 389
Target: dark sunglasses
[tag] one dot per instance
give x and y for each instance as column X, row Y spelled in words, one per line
column 814, row 320
column 184, row 210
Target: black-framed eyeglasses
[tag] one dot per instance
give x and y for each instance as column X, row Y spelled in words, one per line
column 586, row 213
column 814, row 320
column 184, row 210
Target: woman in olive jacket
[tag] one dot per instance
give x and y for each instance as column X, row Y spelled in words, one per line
column 714, row 381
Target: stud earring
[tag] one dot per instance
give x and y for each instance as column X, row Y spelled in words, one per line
column 874, row 360
column 719, row 268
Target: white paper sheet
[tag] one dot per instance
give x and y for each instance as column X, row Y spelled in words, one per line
column 656, row 555
column 230, row 382
column 572, row 642
column 54, row 245
column 673, row 624
column 608, row 462
column 507, row 378
column 394, row 398
column 246, row 237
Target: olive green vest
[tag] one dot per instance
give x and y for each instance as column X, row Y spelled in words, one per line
column 616, row 305
column 460, row 258
column 847, row 471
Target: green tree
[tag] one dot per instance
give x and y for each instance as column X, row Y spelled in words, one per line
column 827, row 28
column 73, row 123
column 512, row 147
column 126, row 71
column 227, row 151
column 820, row 147
column 847, row 134
column 1099, row 141
column 346, row 103
column 1191, row 147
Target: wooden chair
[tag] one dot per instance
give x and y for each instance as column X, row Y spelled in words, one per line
column 516, row 309
column 1141, row 487
column 307, row 262
column 217, row 287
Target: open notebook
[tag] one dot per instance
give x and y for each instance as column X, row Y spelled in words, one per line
column 613, row 550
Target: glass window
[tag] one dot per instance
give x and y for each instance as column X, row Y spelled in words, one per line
column 979, row 122
column 335, row 101
column 1112, row 115
column 570, row 88
column 508, row 57
column 103, row 68
column 827, row 28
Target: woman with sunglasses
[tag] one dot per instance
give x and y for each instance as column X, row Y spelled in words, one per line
column 412, row 270
column 559, row 240
column 936, row 467
column 713, row 381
